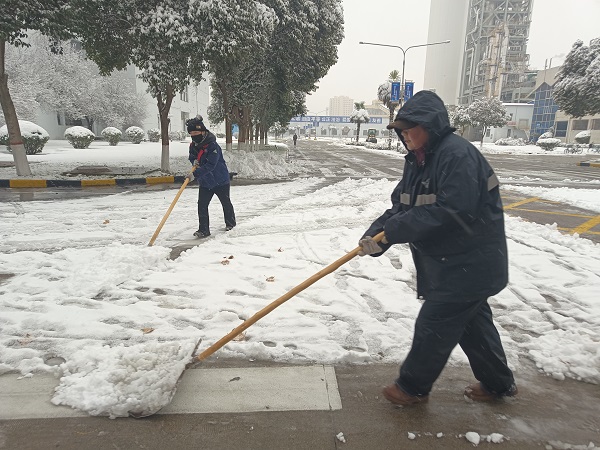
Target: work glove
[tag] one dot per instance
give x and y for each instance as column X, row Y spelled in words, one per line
column 368, row 246
column 190, row 177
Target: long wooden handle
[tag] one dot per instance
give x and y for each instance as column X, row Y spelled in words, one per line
column 166, row 216
column 267, row 309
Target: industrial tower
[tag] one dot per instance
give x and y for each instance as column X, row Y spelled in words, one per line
column 495, row 55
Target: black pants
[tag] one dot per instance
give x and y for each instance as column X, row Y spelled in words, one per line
column 204, row 198
column 439, row 327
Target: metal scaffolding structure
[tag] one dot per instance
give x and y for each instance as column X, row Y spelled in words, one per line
column 495, row 58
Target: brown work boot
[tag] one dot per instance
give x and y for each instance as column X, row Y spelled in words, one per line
column 478, row 393
column 398, row 397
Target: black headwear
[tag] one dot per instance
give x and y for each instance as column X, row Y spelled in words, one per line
column 195, row 124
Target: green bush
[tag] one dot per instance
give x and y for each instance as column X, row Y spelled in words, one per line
column 34, row 137
column 79, row 137
column 153, row 134
column 135, row 134
column 549, row 143
column 112, row 135
column 583, row 137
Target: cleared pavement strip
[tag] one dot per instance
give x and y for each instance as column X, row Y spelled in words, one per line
column 222, row 390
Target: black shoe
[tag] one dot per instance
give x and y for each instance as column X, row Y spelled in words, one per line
column 201, row 235
column 229, row 227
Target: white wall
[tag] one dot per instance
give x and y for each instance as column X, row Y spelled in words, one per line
column 516, row 127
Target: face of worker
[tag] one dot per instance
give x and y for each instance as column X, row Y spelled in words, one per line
column 196, row 133
column 415, row 137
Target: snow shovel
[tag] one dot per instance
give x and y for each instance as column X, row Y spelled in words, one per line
column 175, row 375
column 166, row 216
column 284, row 298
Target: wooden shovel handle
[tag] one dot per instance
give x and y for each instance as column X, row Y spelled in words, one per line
column 285, row 297
column 166, row 216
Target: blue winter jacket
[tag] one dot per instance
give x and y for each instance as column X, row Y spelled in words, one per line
column 212, row 170
column 449, row 210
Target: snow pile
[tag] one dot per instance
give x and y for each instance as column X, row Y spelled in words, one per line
column 122, row 381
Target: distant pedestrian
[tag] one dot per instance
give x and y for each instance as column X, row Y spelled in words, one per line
column 211, row 173
column 447, row 207
column 295, row 138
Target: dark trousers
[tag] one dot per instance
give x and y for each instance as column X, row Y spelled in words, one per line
column 439, row 327
column 204, row 198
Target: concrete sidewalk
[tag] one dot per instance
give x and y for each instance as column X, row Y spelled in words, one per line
column 547, row 414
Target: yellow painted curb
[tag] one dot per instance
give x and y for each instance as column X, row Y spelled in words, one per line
column 158, row 180
column 98, row 183
column 27, row 183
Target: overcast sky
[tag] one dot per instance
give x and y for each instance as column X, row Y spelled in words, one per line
column 556, row 24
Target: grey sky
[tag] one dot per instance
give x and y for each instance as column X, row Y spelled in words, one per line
column 556, row 24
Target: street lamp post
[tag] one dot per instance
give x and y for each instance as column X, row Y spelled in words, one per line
column 402, row 87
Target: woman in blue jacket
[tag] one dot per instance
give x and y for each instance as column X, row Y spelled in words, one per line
column 211, row 173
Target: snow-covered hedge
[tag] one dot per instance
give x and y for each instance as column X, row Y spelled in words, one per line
column 178, row 135
column 135, row 134
column 510, row 141
column 549, row 143
column 112, row 135
column 34, row 137
column 79, row 137
column 153, row 134
column 583, row 137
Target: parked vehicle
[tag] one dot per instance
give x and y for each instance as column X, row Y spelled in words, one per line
column 371, row 135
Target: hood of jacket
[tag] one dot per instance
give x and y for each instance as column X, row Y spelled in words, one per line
column 427, row 109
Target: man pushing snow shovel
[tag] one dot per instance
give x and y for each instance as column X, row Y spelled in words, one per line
column 447, row 206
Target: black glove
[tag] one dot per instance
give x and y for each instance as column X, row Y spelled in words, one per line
column 368, row 246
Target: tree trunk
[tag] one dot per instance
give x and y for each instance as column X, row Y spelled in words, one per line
column 164, row 107
column 391, row 131
column 482, row 137
column 357, row 130
column 12, row 122
column 228, row 134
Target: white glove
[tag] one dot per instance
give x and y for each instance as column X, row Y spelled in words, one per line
column 190, row 176
column 368, row 246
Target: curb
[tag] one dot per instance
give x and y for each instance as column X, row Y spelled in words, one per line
column 33, row 183
column 588, row 164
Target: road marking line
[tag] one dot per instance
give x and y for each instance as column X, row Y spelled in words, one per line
column 586, row 226
column 554, row 213
column 522, row 202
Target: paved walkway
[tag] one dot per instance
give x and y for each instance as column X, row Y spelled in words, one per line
column 239, row 404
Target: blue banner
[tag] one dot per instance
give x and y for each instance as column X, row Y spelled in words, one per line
column 409, row 87
column 395, row 95
column 329, row 119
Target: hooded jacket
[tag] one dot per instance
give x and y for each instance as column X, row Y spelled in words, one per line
column 449, row 210
column 212, row 170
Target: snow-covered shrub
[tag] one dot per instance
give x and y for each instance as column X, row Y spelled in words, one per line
column 178, row 135
column 549, row 143
column 34, row 137
column 112, row 135
column 79, row 137
column 548, row 134
column 135, row 134
column 153, row 134
column 510, row 141
column 583, row 137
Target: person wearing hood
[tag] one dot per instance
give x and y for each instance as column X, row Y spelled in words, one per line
column 211, row 173
column 447, row 207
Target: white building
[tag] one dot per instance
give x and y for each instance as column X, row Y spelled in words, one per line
column 443, row 63
column 517, row 127
column 340, row 106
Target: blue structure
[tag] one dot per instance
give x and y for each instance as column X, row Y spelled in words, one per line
column 544, row 113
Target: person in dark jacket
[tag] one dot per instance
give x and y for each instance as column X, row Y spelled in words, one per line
column 211, row 173
column 447, row 207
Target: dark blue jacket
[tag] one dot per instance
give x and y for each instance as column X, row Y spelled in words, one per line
column 449, row 210
column 212, row 171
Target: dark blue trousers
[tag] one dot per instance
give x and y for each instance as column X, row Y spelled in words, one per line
column 204, row 198
column 438, row 329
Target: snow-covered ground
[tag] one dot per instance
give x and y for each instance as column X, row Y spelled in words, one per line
column 79, row 276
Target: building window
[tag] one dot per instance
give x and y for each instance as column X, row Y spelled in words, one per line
column 523, row 124
column 58, row 118
column 579, row 125
column 561, row 129
column 70, row 122
column 183, row 95
column 595, row 124
column 184, row 117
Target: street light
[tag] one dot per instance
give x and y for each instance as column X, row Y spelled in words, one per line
column 402, row 87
